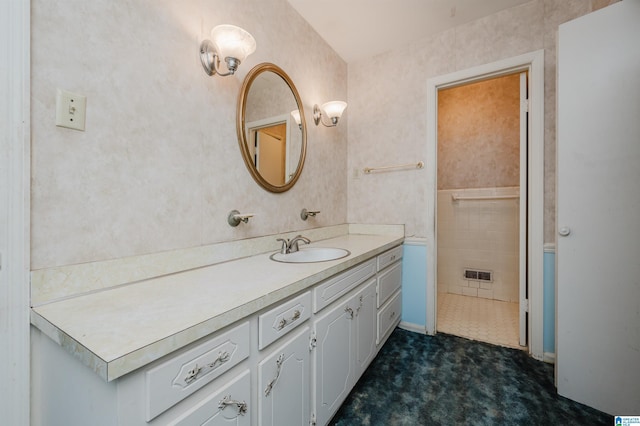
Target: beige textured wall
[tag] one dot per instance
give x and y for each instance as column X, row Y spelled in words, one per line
column 158, row 167
column 387, row 105
column 479, row 134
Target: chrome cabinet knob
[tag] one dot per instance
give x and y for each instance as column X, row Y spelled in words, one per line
column 564, row 231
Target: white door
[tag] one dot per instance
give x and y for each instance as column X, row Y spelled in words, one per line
column 598, row 249
column 283, row 384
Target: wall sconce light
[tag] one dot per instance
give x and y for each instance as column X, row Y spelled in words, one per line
column 296, row 116
column 333, row 110
column 231, row 43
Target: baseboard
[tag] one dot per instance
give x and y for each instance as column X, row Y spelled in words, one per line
column 417, row 328
column 549, row 357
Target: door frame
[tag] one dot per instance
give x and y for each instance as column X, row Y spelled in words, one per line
column 533, row 62
column 253, row 126
column 15, row 202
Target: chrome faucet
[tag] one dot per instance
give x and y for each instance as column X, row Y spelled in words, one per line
column 291, row 246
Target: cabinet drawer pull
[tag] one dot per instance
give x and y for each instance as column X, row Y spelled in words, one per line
column 192, row 374
column 349, row 311
column 224, row 402
column 279, row 362
column 283, row 322
column 353, row 313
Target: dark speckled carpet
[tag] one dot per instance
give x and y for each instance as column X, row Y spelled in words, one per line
column 447, row 380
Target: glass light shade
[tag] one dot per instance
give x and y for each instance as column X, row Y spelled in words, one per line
column 232, row 42
column 334, row 109
column 296, row 116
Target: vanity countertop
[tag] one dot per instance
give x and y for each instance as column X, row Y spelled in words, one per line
column 119, row 330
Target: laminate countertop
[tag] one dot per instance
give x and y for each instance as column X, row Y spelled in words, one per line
column 118, row 330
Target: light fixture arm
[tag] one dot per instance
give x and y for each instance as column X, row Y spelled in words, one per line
column 211, row 60
column 318, row 117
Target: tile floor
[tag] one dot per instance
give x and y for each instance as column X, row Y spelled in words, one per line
column 486, row 320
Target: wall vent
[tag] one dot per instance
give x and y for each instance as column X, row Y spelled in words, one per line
column 479, row 275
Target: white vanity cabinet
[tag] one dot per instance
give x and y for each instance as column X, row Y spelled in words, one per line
column 291, row 362
column 217, row 389
column 389, row 297
column 284, row 383
column 345, row 343
column 284, row 372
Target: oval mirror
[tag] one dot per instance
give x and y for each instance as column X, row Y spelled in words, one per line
column 272, row 131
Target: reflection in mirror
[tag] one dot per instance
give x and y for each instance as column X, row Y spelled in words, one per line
column 271, row 128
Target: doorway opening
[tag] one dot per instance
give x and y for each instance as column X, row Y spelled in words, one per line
column 274, row 148
column 270, row 152
column 479, row 198
column 531, row 207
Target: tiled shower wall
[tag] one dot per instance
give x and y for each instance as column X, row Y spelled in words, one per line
column 480, row 235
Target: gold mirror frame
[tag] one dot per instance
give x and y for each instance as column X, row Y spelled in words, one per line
column 241, row 126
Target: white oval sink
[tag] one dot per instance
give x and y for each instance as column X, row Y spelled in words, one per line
column 311, row 254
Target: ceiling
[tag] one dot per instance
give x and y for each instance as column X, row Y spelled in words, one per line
column 358, row 29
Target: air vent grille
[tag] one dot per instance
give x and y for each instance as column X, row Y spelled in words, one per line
column 480, row 275
column 485, row 276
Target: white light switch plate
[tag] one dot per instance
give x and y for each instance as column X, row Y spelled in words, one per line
column 71, row 110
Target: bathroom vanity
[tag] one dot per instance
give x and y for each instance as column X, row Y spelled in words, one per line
column 248, row 341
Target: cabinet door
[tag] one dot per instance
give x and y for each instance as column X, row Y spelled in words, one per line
column 283, row 384
column 333, row 359
column 228, row 406
column 365, row 325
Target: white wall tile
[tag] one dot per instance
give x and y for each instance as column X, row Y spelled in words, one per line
column 487, row 242
column 468, row 291
column 485, row 293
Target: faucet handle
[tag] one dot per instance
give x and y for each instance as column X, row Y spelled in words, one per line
column 285, row 245
column 304, row 214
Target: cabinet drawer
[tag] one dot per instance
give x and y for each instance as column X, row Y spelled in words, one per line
column 229, row 405
column 388, row 257
column 333, row 288
column 389, row 315
column 177, row 378
column 389, row 282
column 280, row 320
